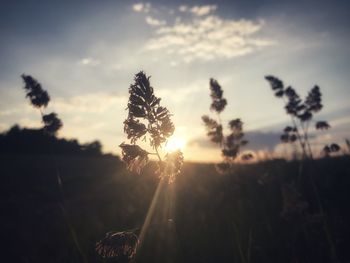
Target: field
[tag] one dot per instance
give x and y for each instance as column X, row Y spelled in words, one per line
column 55, row 209
column 175, row 131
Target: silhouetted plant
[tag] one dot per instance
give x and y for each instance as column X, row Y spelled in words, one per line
column 119, row 245
column 39, row 98
column 301, row 113
column 51, row 123
column 231, row 144
column 146, row 119
column 322, row 125
column 331, row 148
column 218, row 102
column 347, row 142
column 247, row 156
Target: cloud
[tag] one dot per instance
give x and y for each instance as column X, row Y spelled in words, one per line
column 27, row 122
column 183, row 8
column 198, row 10
column 257, row 141
column 89, row 103
column 154, row 22
column 8, row 112
column 263, row 144
column 181, row 94
column 89, row 62
column 142, row 7
column 262, row 140
column 208, row 37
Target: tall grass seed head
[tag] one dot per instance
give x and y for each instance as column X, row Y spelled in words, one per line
column 118, row 245
column 216, row 93
column 37, row 96
column 146, row 117
column 51, row 123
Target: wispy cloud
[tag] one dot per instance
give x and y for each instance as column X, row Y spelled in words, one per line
column 205, row 36
column 154, row 22
column 142, row 7
column 89, row 103
column 180, row 95
column 89, row 62
column 257, row 141
column 198, row 10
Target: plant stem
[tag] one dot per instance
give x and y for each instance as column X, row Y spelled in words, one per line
column 300, row 138
column 222, row 130
column 306, row 137
column 302, row 143
column 157, row 153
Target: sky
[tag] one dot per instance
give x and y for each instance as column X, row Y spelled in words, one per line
column 86, row 53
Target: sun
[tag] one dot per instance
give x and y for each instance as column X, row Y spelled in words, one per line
column 175, row 143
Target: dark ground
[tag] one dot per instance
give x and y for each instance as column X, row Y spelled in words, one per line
column 54, row 208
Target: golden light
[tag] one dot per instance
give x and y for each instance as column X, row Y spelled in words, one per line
column 175, row 143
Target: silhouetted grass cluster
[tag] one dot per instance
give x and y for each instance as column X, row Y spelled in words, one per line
column 39, row 98
column 146, row 117
column 230, row 144
column 272, row 211
column 301, row 113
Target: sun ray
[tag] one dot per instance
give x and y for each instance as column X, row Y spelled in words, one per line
column 150, row 213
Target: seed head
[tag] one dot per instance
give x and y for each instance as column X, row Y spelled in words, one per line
column 314, row 99
column 146, row 117
column 51, row 123
column 247, row 156
column 218, row 102
column 214, row 130
column 172, row 165
column 38, row 97
column 119, row 245
column 134, row 129
column 134, row 157
column 322, row 125
column 276, row 85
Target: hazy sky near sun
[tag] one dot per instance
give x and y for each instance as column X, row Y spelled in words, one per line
column 85, row 53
